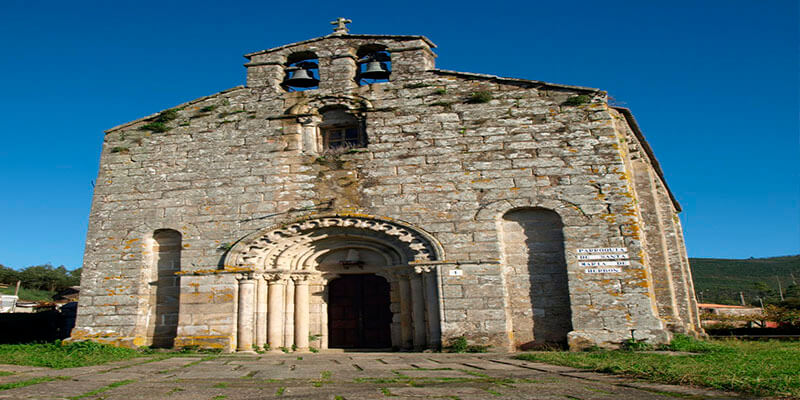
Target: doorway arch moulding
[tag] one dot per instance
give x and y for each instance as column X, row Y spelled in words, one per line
column 289, row 246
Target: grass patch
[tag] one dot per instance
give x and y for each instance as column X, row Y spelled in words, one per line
column 158, row 127
column 577, row 100
column 120, row 149
column 479, row 98
column 280, row 391
column 34, row 381
column 460, row 345
column 166, row 116
column 766, row 368
column 29, row 294
column 445, row 104
column 56, row 355
column 103, row 389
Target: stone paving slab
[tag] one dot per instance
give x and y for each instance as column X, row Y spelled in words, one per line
column 326, row 376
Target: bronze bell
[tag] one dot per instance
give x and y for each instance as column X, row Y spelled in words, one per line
column 302, row 76
column 376, row 70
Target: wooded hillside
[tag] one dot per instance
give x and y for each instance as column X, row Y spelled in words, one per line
column 719, row 280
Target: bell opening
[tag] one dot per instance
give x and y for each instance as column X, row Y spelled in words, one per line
column 374, row 67
column 301, row 75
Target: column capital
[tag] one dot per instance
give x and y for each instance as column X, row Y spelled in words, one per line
column 245, row 276
column 301, row 279
column 275, row 279
column 419, row 269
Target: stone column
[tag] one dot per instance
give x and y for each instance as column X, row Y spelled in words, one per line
column 432, row 307
column 245, row 322
column 301, row 316
column 418, row 311
column 261, row 312
column 310, row 138
column 288, row 314
column 277, row 284
column 405, row 311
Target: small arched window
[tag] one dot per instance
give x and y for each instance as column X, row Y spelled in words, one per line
column 341, row 130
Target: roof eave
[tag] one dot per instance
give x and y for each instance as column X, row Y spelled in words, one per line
column 515, row 80
column 188, row 103
column 649, row 151
column 316, row 39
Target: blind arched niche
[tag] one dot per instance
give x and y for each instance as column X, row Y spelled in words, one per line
column 164, row 288
column 536, row 277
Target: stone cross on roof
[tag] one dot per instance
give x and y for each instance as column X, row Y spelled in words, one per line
column 341, row 28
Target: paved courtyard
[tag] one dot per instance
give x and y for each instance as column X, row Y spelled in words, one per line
column 334, row 376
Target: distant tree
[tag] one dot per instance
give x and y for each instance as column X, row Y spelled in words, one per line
column 8, row 275
column 763, row 291
column 792, row 297
column 75, row 276
column 46, row 277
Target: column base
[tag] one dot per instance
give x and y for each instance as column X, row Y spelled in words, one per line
column 301, row 350
column 246, row 352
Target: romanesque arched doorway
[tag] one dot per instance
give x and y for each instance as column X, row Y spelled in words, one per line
column 294, row 278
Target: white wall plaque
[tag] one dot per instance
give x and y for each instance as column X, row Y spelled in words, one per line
column 604, row 263
column 604, row 250
column 602, row 256
column 456, row 272
column 601, row 270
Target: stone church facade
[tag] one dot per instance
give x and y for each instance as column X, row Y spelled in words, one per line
column 352, row 195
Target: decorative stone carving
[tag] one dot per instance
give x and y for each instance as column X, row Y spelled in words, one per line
column 263, row 250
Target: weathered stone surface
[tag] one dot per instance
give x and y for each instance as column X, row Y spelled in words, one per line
column 486, row 189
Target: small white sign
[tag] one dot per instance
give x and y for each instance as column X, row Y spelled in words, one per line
column 603, row 250
column 602, row 256
column 601, row 270
column 604, row 263
column 456, row 272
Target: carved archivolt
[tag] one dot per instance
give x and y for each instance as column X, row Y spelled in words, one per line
column 294, row 246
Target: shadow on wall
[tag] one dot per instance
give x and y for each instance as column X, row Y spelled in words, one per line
column 44, row 326
column 165, row 288
column 537, row 277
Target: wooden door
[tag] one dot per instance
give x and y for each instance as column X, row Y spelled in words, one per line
column 358, row 312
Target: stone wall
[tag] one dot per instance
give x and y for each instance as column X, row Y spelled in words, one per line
column 448, row 153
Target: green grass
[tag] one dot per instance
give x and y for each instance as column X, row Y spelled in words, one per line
column 577, row 100
column 54, row 355
column 29, row 294
column 767, row 368
column 34, row 381
column 102, row 389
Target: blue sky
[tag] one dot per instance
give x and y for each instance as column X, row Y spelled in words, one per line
column 713, row 84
